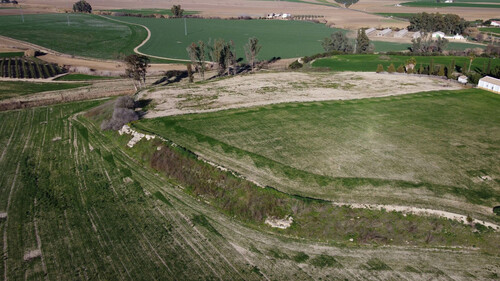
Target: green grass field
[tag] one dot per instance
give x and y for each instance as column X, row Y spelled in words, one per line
column 494, row 30
column 397, row 15
column 467, row 4
column 279, row 38
column 83, row 77
column 370, row 62
column 147, row 12
column 389, row 149
column 11, row 54
column 86, row 35
column 10, row 89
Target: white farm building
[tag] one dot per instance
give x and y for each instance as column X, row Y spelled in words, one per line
column 384, row 32
column 370, row 31
column 490, row 84
column 495, row 23
column 401, row 33
column 438, row 34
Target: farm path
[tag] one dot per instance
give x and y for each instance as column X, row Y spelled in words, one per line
column 136, row 49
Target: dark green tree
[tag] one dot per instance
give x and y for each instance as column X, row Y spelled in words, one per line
column 338, row 41
column 82, row 6
column 347, row 3
column 176, row 10
column 363, row 43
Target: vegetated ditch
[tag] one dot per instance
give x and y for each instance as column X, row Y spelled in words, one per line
column 312, row 218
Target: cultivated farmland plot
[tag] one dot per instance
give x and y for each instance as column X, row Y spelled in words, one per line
column 74, row 34
column 75, row 205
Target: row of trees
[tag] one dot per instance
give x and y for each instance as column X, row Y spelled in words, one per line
column 411, row 68
column 338, row 41
column 223, row 54
column 448, row 23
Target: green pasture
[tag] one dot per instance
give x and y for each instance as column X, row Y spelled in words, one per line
column 82, row 77
column 85, row 35
column 11, row 54
column 10, row 89
column 467, row 4
column 431, row 143
column 397, row 15
column 370, row 62
column 278, row 38
column 494, row 30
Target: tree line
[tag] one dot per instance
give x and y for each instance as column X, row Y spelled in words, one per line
column 447, row 23
column 222, row 54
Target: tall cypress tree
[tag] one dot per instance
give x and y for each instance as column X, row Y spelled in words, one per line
column 362, row 42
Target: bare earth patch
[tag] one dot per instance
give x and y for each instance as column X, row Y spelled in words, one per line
column 32, row 254
column 281, row 87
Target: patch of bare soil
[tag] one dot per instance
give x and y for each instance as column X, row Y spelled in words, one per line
column 280, row 87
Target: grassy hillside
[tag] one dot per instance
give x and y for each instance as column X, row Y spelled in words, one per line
column 10, row 89
column 370, row 62
column 86, row 35
column 77, row 204
column 396, row 149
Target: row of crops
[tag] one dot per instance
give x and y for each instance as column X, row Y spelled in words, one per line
column 27, row 68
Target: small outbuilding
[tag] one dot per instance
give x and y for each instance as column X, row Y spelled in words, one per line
column 490, row 84
column 463, row 79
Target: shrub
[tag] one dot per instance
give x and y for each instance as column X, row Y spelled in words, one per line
column 125, row 102
column 82, row 7
column 123, row 113
column 496, row 210
column 391, row 68
column 440, row 72
column 295, row 65
column 401, row 69
column 380, row 68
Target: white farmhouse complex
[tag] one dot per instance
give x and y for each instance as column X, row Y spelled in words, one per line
column 490, row 84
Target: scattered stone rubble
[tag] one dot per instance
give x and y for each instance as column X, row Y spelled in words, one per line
column 279, row 223
column 136, row 136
